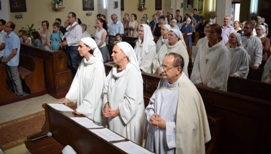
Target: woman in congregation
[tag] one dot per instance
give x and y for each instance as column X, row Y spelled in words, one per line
column 212, row 64
column 188, row 30
column 87, row 86
column 145, row 48
column 123, row 95
column 261, row 34
column 100, row 37
column 133, row 26
column 175, row 44
column 163, row 39
column 36, row 40
column 45, row 35
column 157, row 28
column 239, row 57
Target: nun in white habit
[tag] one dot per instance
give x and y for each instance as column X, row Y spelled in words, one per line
column 87, row 86
column 123, row 94
column 163, row 38
column 175, row 44
column 239, row 57
column 145, row 48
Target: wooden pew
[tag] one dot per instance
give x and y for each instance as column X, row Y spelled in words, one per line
column 4, row 93
column 250, row 88
column 239, row 124
column 57, row 75
column 150, row 83
column 32, row 73
column 65, row 131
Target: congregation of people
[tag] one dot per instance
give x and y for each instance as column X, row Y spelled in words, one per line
column 161, row 48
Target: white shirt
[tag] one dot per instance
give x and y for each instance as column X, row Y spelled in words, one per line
column 73, row 34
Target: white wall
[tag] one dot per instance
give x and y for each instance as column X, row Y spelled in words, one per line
column 4, row 12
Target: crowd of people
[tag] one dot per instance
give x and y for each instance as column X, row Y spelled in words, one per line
column 116, row 100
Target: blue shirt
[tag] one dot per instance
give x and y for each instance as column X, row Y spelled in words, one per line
column 12, row 42
column 116, row 28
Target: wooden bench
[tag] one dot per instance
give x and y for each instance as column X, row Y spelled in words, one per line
column 66, row 131
column 57, row 75
column 150, row 83
column 250, row 88
column 32, row 73
column 5, row 95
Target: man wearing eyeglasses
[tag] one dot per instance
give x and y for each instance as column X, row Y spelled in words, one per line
column 11, row 58
column 253, row 46
column 71, row 40
column 177, row 120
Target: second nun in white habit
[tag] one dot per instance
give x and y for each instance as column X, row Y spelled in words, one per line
column 123, row 94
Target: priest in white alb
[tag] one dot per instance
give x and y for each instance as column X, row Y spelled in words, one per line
column 177, row 120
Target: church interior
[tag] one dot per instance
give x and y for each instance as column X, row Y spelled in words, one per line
column 239, row 118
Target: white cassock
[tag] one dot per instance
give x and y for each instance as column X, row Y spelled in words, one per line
column 124, row 91
column 212, row 66
column 254, row 48
column 160, row 42
column 178, row 48
column 266, row 76
column 175, row 103
column 239, row 62
column 87, row 88
column 202, row 41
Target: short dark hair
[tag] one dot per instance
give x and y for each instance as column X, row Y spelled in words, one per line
column 178, row 60
column 162, row 17
column 73, row 14
column 12, row 25
column 134, row 16
column 58, row 20
column 56, row 24
column 195, row 9
column 46, row 22
column 3, row 21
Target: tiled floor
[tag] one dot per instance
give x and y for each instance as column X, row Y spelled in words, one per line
column 20, row 109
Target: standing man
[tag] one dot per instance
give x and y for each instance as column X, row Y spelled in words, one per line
column 253, row 46
column 71, row 40
column 116, row 26
column 3, row 35
column 177, row 120
column 11, row 58
column 227, row 29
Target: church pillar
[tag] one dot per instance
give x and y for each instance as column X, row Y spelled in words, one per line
column 223, row 8
column 113, row 6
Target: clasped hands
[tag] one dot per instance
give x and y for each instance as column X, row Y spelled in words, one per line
column 157, row 121
column 109, row 113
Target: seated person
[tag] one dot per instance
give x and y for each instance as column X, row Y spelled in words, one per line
column 118, row 38
column 25, row 39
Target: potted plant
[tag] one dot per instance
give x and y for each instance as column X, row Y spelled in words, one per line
column 29, row 29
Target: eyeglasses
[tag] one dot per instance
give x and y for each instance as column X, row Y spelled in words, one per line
column 210, row 32
column 166, row 68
